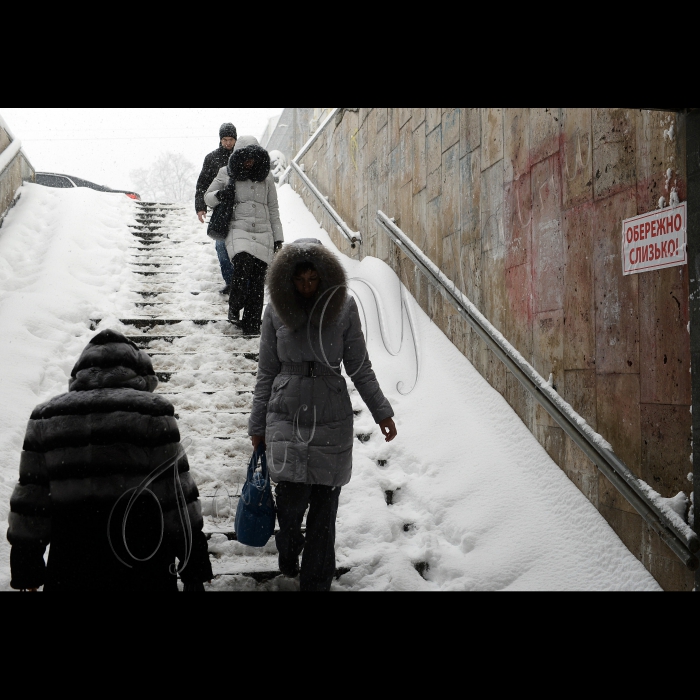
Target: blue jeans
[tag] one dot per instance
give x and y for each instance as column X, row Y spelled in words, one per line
column 224, row 262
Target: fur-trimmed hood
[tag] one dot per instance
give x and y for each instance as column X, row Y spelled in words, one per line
column 292, row 309
column 248, row 147
column 112, row 361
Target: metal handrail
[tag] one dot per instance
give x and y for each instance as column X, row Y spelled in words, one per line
column 684, row 544
column 308, row 144
column 353, row 236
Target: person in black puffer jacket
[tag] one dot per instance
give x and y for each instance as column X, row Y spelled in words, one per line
column 85, row 449
column 213, row 162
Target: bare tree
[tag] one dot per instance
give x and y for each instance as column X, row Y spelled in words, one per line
column 170, row 179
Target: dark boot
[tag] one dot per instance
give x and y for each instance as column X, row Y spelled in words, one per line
column 255, row 294
column 249, row 330
column 292, row 501
column 318, row 562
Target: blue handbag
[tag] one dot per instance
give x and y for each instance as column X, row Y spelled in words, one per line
column 255, row 514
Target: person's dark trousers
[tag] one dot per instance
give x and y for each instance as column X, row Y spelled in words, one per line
column 224, row 262
column 318, row 561
column 247, row 291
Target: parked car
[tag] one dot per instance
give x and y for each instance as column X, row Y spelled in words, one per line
column 61, row 180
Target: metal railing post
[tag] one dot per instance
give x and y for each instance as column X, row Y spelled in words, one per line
column 352, row 236
column 308, row 144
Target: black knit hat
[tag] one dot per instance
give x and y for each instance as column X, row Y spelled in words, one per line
column 227, row 129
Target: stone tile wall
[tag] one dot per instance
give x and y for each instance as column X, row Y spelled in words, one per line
column 294, row 127
column 522, row 209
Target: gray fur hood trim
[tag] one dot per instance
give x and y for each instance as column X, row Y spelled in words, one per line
column 287, row 302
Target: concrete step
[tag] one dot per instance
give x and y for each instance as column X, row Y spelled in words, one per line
column 170, row 393
column 206, row 378
column 199, row 362
column 149, row 231
column 216, row 425
column 170, row 290
column 148, row 322
column 149, row 241
column 153, row 264
column 151, row 255
column 241, row 412
column 172, row 285
column 253, row 356
column 192, row 344
column 264, row 575
column 146, row 226
column 209, row 306
column 231, row 534
column 154, row 235
column 185, row 302
column 153, row 273
column 159, row 205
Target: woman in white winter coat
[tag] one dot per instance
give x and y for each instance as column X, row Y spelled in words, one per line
column 255, row 230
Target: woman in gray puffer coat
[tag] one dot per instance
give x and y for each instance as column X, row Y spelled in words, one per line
column 255, row 229
column 301, row 406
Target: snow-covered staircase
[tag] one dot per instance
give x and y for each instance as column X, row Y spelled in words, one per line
column 205, row 366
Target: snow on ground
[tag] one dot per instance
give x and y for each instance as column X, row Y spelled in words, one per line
column 62, row 256
column 476, row 503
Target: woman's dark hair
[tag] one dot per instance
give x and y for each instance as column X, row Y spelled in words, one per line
column 303, row 267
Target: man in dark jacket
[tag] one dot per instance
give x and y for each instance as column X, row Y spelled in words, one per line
column 213, row 162
column 85, row 453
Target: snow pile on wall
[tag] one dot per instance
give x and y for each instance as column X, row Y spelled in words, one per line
column 62, row 258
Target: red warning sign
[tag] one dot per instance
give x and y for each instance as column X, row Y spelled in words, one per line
column 654, row 240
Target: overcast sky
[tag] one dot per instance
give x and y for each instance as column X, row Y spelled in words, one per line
column 105, row 145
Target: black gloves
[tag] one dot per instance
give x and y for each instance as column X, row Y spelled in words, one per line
column 278, row 245
column 227, row 194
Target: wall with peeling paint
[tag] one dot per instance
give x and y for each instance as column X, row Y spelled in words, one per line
column 523, row 209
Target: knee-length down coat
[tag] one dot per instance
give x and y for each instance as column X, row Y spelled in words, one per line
column 255, row 226
column 82, row 451
column 308, row 421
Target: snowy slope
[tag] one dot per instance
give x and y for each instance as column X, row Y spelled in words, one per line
column 62, row 256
